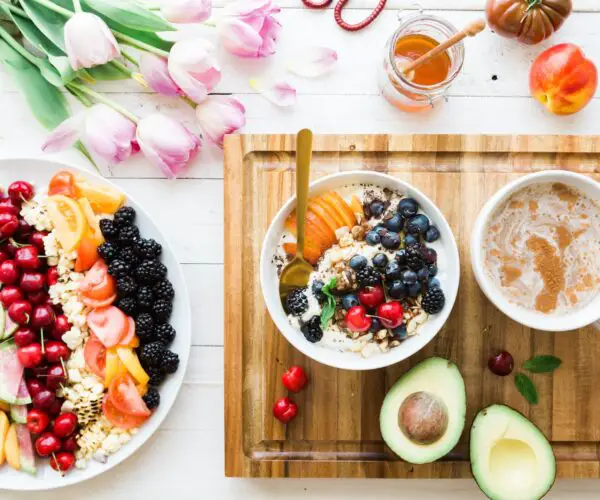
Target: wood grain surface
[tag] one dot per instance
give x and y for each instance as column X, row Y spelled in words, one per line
column 337, row 431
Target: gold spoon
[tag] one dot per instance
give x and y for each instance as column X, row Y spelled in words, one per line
column 296, row 273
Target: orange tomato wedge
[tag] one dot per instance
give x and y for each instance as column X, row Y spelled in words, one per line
column 97, row 284
column 87, row 253
column 130, row 335
column 125, row 397
column 132, row 363
column 92, row 220
column 109, row 324
column 68, row 220
column 94, row 354
column 118, row 418
column 63, row 182
column 103, row 199
column 97, row 304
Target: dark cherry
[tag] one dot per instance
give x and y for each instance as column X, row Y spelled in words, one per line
column 32, row 281
column 4, row 255
column 47, row 444
column 34, row 386
column 24, row 230
column 37, row 298
column 8, row 207
column 65, row 425
column 44, row 399
column 37, row 421
column 10, row 294
column 9, row 272
column 24, row 336
column 20, row 191
column 8, row 225
column 62, row 462
column 31, row 355
column 56, row 407
column 20, row 312
column 501, row 363
column 60, row 327
column 70, row 444
column 37, row 240
column 43, row 316
column 55, row 376
column 56, row 350
column 52, row 276
column 27, row 258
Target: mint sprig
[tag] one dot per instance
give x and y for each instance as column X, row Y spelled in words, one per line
column 329, row 308
column 542, row 364
column 527, row 388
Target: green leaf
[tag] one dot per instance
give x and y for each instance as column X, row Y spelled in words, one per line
column 328, row 309
column 47, row 103
column 50, row 23
column 526, row 387
column 542, row 364
column 131, row 15
column 107, row 72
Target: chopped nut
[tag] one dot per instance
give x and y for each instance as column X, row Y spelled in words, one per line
column 421, row 318
column 346, row 240
column 383, row 346
column 358, row 232
column 381, row 334
column 335, row 255
column 411, row 327
column 341, row 231
column 368, row 350
column 355, row 335
column 394, row 343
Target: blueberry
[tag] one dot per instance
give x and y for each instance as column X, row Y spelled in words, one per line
column 432, row 234
column 393, row 271
column 317, row 290
column 376, row 208
column 380, row 260
column 400, row 332
column 408, row 207
column 358, row 262
column 414, row 290
column 373, row 238
column 349, row 300
column 391, row 241
column 410, row 240
column 395, row 223
column 380, row 229
column 401, row 256
column 375, row 325
column 432, row 268
column 417, row 224
column 409, row 277
column 397, row 290
column 423, row 275
column 429, row 255
column 434, row 283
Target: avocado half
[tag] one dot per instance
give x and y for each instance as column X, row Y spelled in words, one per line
column 423, row 414
column 511, row 459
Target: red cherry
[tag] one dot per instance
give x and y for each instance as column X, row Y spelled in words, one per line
column 8, row 207
column 37, row 240
column 357, row 319
column 10, row 248
column 30, row 355
column 34, row 386
column 55, row 376
column 20, row 191
column 501, row 363
column 37, row 298
column 47, row 444
column 391, row 314
column 27, row 258
column 24, row 336
column 42, row 316
column 56, row 350
column 44, row 399
column 60, row 327
column 294, row 379
column 285, row 410
column 70, row 444
column 20, row 312
column 32, row 281
column 24, row 230
column 65, row 425
column 40, row 371
column 10, row 294
column 52, row 276
column 63, row 461
column 4, row 255
column 56, row 407
column 8, row 225
column 37, row 421
column 9, row 272
column 371, row 296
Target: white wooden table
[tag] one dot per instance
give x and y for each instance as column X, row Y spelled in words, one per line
column 185, row 458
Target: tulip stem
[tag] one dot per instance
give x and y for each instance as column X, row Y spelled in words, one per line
column 6, row 36
column 77, row 5
column 130, row 58
column 139, row 45
column 15, row 9
column 104, row 100
column 56, row 8
column 119, row 65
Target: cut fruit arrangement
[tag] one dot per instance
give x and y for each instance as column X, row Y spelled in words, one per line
column 84, row 331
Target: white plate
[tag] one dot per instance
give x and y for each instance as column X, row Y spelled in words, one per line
column 39, row 172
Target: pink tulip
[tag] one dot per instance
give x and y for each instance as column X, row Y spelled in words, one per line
column 186, row 11
column 248, row 29
column 167, row 143
column 193, row 66
column 88, row 41
column 219, row 116
column 155, row 71
column 104, row 131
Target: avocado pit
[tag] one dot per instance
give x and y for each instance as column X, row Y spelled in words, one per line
column 423, row 417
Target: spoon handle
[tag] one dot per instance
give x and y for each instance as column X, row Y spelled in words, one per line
column 303, row 157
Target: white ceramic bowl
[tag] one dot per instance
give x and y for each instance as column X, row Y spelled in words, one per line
column 449, row 269
column 533, row 319
column 39, row 172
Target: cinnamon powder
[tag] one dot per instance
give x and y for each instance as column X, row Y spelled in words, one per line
column 550, row 267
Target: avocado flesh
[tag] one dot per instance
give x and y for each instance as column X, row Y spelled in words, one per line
column 440, row 378
column 511, row 459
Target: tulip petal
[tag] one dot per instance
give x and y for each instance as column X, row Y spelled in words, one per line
column 186, row 11
column 155, row 71
column 219, row 116
column 65, row 135
column 239, row 38
column 109, row 134
column 88, row 41
column 243, row 8
column 269, row 33
column 279, row 93
column 313, row 62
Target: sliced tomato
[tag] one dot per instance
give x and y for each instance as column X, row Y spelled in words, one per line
column 96, row 304
column 130, row 335
column 97, row 283
column 63, row 182
column 124, row 396
column 87, row 253
column 109, row 324
column 118, row 418
column 94, row 354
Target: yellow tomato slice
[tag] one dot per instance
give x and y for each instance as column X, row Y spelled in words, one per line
column 114, row 367
column 92, row 220
column 132, row 363
column 103, row 199
column 68, row 220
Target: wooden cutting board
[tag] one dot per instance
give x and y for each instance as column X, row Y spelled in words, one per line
column 336, row 433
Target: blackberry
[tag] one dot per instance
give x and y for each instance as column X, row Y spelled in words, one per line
column 128, row 235
column 128, row 305
column 368, row 276
column 165, row 333
column 144, row 327
column 169, row 362
column 150, row 272
column 296, row 302
column 157, row 377
column 152, row 398
column 118, row 268
column 108, row 251
column 312, row 329
column 108, row 229
column 126, row 286
column 124, row 216
column 164, row 290
column 151, row 355
column 433, row 301
column 414, row 257
column 128, row 255
column 162, row 309
column 148, row 249
column 145, row 297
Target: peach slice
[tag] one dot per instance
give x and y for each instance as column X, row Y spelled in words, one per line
column 350, row 217
column 331, row 223
column 327, row 234
column 11, row 448
column 4, row 426
column 333, row 214
column 343, row 210
column 311, row 254
column 314, row 232
column 356, row 206
column 4, row 406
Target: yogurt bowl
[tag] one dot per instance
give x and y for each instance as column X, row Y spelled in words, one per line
column 335, row 355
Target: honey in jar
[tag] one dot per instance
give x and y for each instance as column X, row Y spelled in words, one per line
column 410, row 48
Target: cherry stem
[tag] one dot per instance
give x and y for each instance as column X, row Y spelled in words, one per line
column 43, row 343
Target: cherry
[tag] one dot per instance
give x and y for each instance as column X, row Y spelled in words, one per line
column 60, row 327
column 20, row 312
column 55, row 376
column 357, row 319
column 56, row 407
column 371, row 296
column 47, row 444
column 390, row 314
column 65, row 425
column 30, row 355
column 37, row 421
column 294, row 379
column 8, row 225
column 8, row 207
column 42, row 316
column 10, row 248
column 52, row 276
column 4, row 255
column 40, row 371
column 37, row 298
column 56, row 350
column 32, row 281
column 9, row 272
column 24, row 230
column 63, row 461
column 501, row 363
column 34, row 386
column 10, row 294
column 70, row 444
column 20, row 191
column 44, row 399
column 285, row 410
column 27, row 258
column 37, row 240
column 24, row 336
